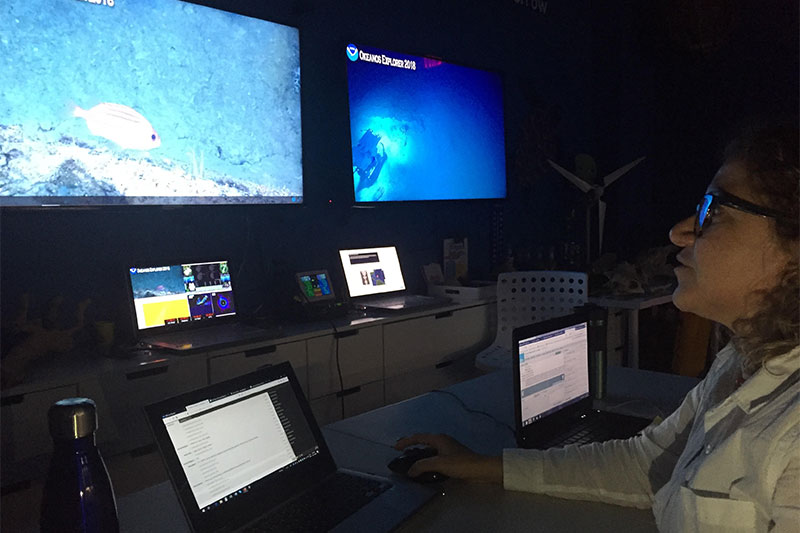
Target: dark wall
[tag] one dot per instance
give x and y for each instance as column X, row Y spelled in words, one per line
column 85, row 252
column 668, row 80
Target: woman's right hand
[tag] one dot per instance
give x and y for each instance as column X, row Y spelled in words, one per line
column 453, row 459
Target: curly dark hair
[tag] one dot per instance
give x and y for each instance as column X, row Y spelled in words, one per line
column 772, row 162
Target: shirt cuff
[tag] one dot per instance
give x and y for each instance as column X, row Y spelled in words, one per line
column 523, row 470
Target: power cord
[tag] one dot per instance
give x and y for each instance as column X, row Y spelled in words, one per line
column 474, row 411
column 338, row 364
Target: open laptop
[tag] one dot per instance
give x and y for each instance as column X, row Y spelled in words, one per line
column 248, row 451
column 375, row 281
column 553, row 387
column 187, row 307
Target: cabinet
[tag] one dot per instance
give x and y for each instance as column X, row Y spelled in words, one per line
column 26, row 442
column 227, row 366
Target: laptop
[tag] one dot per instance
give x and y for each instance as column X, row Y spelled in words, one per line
column 247, row 453
column 375, row 281
column 188, row 307
column 553, row 386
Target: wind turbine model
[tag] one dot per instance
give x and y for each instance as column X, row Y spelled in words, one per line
column 586, row 168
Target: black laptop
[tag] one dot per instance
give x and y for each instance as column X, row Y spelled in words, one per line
column 247, row 455
column 554, row 386
column 375, row 281
column 188, row 307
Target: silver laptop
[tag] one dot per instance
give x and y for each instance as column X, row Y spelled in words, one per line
column 188, row 307
column 375, row 281
column 553, row 386
column 247, row 454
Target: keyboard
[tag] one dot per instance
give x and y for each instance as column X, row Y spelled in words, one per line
column 323, row 507
column 597, row 427
column 391, row 302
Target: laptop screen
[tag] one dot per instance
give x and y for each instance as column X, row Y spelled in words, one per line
column 315, row 286
column 553, row 371
column 371, row 271
column 177, row 294
column 227, row 443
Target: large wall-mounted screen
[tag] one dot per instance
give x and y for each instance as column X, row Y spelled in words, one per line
column 424, row 129
column 108, row 102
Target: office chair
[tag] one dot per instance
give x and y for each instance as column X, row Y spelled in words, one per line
column 528, row 297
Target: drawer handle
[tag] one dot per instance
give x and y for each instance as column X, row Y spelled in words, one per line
column 444, row 314
column 348, row 392
column 343, row 334
column 147, row 373
column 444, row 364
column 260, row 351
column 12, row 400
column 142, row 450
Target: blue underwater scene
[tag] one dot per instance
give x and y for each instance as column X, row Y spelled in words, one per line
column 431, row 132
column 146, row 101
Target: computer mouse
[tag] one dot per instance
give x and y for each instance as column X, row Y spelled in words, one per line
column 401, row 464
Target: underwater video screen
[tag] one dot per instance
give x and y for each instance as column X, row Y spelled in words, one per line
column 423, row 129
column 107, row 102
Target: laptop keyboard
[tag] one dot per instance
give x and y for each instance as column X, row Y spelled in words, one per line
column 590, row 429
column 398, row 301
column 324, row 506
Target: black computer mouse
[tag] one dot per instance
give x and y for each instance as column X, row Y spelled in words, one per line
column 401, row 464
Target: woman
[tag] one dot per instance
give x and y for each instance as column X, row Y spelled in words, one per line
column 729, row 458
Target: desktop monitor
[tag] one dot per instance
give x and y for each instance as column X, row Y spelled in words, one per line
column 109, row 102
column 423, row 129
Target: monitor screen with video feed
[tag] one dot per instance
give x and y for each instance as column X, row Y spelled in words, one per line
column 370, row 271
column 424, row 129
column 170, row 295
column 117, row 102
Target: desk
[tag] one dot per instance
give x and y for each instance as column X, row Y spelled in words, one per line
column 632, row 304
column 364, row 443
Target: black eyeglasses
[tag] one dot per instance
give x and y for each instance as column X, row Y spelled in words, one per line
column 705, row 209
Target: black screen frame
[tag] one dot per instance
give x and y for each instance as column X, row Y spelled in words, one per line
column 263, row 495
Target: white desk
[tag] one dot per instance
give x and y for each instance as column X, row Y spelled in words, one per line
column 364, row 443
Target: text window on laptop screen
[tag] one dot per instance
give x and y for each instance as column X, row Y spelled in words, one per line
column 553, row 371
column 228, row 443
column 176, row 294
column 372, row 271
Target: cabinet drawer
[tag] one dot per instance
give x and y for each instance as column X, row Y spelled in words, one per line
column 25, row 434
column 127, row 393
column 423, row 342
column 229, row 366
column 360, row 358
column 356, row 401
column 423, row 380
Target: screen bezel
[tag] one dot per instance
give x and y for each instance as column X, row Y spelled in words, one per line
column 85, row 203
column 371, row 204
column 548, row 425
column 192, row 324
column 260, row 498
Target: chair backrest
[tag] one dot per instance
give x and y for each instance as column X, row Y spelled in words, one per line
column 535, row 295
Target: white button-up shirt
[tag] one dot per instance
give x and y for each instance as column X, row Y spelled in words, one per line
column 726, row 460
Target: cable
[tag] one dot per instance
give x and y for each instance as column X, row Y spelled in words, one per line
column 484, row 413
column 338, row 364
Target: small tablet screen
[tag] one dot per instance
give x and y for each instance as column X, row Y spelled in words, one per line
column 315, row 286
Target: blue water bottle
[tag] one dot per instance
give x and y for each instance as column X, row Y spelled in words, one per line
column 78, row 496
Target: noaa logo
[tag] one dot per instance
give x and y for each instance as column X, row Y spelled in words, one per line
column 352, row 52
column 133, row 271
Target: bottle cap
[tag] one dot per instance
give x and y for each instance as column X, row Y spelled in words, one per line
column 72, row 418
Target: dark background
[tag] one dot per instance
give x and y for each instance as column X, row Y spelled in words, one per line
column 670, row 80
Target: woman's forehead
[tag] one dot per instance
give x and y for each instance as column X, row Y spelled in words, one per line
column 732, row 178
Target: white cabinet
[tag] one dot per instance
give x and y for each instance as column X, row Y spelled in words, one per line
column 26, row 443
column 424, row 342
column 227, row 366
column 351, row 402
column 360, row 357
column 127, row 393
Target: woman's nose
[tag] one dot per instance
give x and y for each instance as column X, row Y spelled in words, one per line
column 682, row 233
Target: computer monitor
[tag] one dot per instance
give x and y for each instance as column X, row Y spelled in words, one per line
column 423, row 129
column 110, row 102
